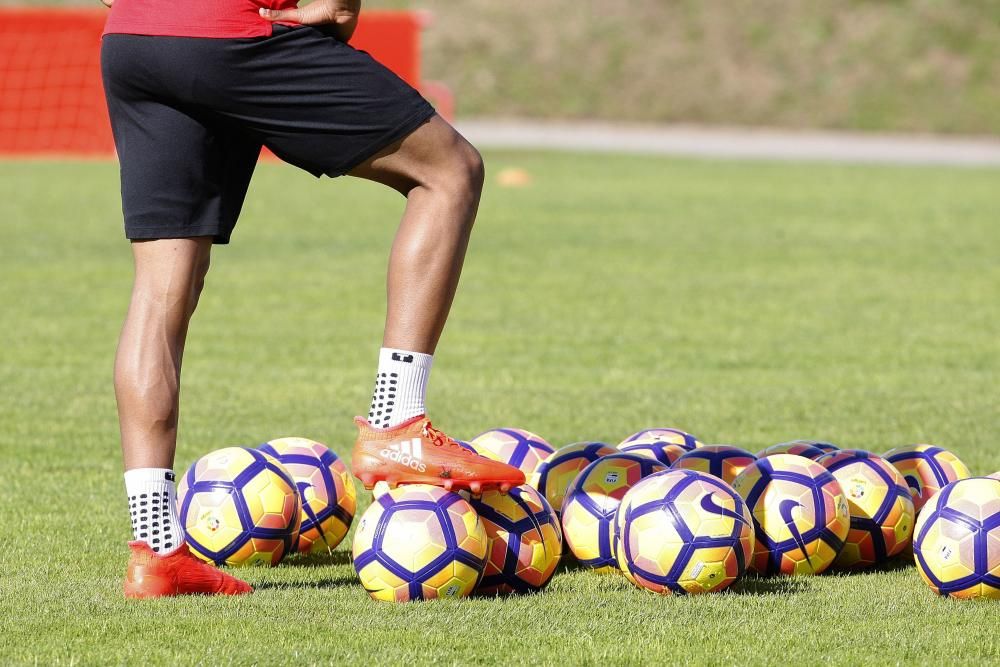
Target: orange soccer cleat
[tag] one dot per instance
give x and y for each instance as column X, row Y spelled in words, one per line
column 151, row 575
column 417, row 453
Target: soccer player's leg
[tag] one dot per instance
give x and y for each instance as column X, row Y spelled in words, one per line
column 441, row 176
column 183, row 182
column 330, row 109
column 169, row 277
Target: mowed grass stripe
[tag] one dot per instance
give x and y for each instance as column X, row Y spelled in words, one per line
column 747, row 303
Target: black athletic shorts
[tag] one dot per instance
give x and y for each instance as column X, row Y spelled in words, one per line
column 189, row 117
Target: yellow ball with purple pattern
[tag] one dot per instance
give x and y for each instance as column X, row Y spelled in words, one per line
column 513, row 446
column 879, row 502
column 525, row 540
column 665, row 435
column 239, row 506
column 810, row 449
column 722, row 461
column 591, row 500
column 419, row 542
column 663, row 452
column 326, row 488
column 956, row 543
column 553, row 476
column 926, row 469
column 683, row 531
column 800, row 514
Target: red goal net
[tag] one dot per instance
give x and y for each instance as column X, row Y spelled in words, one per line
column 51, row 99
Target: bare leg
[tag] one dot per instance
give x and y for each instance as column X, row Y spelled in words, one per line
column 169, row 277
column 441, row 176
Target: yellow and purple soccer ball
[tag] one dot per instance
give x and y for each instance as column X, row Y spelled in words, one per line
column 881, row 509
column 800, row 514
column 553, row 476
column 589, row 506
column 239, row 506
column 326, row 489
column 663, row 452
column 683, row 531
column 722, row 461
column 665, row 435
column 926, row 469
column 419, row 542
column 956, row 543
column 525, row 540
column 810, row 449
column 513, row 446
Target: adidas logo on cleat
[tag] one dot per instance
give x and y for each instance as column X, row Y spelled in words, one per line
column 408, row 453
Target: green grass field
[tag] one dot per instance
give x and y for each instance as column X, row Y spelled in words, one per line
column 747, row 303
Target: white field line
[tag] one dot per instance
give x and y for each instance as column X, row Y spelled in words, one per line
column 735, row 143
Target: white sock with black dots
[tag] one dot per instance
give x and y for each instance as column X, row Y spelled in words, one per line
column 152, row 501
column 400, row 387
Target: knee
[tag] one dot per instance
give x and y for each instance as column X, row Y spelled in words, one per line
column 457, row 173
column 469, row 168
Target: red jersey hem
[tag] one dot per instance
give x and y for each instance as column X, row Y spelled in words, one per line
column 218, row 30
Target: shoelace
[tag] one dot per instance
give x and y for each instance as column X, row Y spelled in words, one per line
column 441, row 440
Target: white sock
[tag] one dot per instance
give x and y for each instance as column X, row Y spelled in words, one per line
column 400, row 387
column 152, row 500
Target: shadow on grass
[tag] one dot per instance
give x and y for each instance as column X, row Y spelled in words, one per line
column 336, row 582
column 780, row 585
column 340, row 557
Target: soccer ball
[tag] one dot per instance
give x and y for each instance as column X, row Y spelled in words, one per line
column 464, row 445
column 239, row 506
column 800, row 514
column 880, row 506
column 683, row 531
column 419, row 542
column 810, row 449
column 664, row 452
column 525, row 540
column 956, row 541
column 326, row 490
column 554, row 475
column 589, row 507
column 673, row 436
column 926, row 469
column 722, row 461
column 513, row 446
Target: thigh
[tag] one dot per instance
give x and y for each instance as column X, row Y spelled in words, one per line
column 184, row 173
column 316, row 102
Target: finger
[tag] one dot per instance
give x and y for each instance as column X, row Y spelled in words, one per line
column 107, row 3
column 286, row 15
